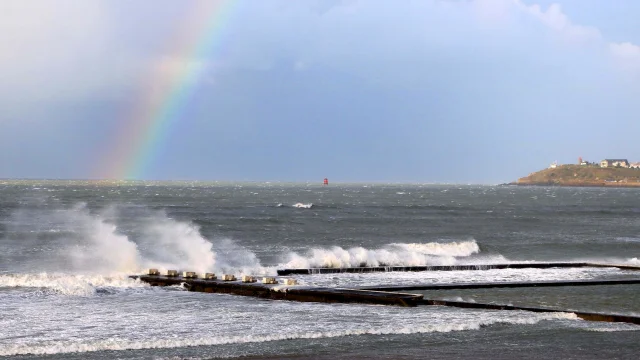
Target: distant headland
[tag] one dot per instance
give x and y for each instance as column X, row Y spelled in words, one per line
column 606, row 173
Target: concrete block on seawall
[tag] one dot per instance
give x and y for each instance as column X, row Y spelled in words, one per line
column 172, row 272
column 269, row 280
column 209, row 276
column 154, row 272
column 189, row 274
column 290, row 282
column 228, row 277
column 248, row 279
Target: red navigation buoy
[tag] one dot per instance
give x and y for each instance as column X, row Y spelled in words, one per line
column 326, row 181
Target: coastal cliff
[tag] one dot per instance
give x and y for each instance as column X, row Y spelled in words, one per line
column 581, row 175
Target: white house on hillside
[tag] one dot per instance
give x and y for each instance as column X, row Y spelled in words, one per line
column 614, row 163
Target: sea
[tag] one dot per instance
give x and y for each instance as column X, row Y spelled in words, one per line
column 67, row 249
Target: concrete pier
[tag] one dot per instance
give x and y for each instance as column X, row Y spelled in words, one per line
column 372, row 269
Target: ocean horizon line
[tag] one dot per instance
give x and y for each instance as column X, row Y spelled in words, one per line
column 259, row 181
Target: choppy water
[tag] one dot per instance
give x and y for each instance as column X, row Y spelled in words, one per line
column 68, row 246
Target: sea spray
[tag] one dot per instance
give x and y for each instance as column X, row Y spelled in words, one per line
column 167, row 243
column 235, row 258
column 82, row 241
column 75, row 239
column 396, row 254
column 104, row 250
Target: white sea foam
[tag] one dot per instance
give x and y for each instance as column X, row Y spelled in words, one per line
column 464, row 276
column 458, row 298
column 464, row 248
column 80, row 285
column 116, row 343
column 617, row 327
column 628, row 239
column 607, row 327
column 302, row 205
column 396, row 254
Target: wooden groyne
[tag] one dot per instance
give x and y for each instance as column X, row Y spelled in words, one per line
column 284, row 292
column 374, row 269
column 380, row 295
column 589, row 316
column 505, row 284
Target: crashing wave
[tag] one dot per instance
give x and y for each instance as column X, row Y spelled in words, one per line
column 463, row 248
column 94, row 245
column 396, row 254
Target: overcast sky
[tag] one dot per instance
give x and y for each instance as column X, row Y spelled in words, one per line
column 457, row 91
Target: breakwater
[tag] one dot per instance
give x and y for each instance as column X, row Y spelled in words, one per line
column 288, row 289
column 276, row 291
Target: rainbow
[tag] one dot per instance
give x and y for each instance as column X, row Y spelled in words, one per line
column 171, row 83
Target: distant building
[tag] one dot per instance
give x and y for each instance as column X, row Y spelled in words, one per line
column 553, row 165
column 614, row 163
column 635, row 165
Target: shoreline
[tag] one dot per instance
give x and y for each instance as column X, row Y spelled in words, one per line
column 582, row 176
column 601, row 185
